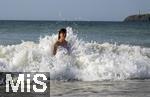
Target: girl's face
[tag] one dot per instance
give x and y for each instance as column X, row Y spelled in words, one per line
column 62, row 36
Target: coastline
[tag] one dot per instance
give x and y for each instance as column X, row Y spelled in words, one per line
column 138, row 18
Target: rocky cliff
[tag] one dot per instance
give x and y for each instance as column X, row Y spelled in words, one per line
column 141, row 17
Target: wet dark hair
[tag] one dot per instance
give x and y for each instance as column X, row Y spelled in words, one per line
column 62, row 30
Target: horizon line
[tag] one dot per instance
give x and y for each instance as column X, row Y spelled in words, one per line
column 63, row 20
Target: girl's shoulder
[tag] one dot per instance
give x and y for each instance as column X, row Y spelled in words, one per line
column 57, row 43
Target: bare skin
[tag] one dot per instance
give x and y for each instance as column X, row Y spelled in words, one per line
column 61, row 42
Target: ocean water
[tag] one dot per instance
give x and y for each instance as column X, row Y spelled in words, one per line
column 107, row 59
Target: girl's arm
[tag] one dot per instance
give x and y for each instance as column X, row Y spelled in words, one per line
column 55, row 49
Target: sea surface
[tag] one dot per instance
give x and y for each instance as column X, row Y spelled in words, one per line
column 107, row 59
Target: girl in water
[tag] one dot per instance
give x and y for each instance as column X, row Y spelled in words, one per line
column 61, row 42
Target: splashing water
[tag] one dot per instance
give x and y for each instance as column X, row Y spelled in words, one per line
column 88, row 61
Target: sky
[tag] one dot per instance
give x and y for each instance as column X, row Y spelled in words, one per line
column 86, row 10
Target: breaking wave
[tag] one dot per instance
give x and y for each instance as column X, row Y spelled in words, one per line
column 88, row 61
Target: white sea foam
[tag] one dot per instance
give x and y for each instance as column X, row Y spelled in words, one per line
column 88, row 61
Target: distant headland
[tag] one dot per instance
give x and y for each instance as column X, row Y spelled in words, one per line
column 138, row 18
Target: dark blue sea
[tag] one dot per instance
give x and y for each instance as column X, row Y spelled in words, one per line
column 107, row 59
